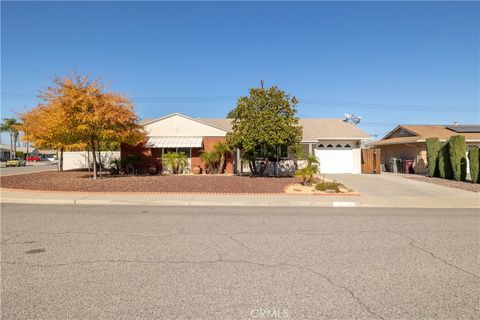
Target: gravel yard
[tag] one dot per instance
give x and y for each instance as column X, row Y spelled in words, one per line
column 448, row 183
column 75, row 181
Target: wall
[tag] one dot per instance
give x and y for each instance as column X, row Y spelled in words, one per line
column 178, row 126
column 79, row 159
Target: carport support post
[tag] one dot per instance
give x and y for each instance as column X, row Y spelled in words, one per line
column 310, row 148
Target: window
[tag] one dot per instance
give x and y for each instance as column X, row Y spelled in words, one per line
column 321, row 146
column 185, row 150
column 338, row 146
column 329, row 146
column 347, row 146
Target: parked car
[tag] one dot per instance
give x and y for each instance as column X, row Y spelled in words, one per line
column 16, row 162
column 33, row 158
column 53, row 160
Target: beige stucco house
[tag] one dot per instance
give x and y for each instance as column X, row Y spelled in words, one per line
column 407, row 142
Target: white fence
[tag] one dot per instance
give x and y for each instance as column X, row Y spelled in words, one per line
column 79, row 159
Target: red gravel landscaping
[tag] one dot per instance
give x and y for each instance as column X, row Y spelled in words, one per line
column 74, row 181
column 464, row 185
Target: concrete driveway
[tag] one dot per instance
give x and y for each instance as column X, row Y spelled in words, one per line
column 394, row 190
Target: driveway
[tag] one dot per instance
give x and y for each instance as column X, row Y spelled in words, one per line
column 393, row 190
column 137, row 262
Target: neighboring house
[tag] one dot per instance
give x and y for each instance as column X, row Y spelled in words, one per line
column 407, row 142
column 336, row 143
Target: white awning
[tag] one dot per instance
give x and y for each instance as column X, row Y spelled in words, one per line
column 174, row 142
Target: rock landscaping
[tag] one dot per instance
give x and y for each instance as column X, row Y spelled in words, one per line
column 319, row 186
column 464, row 185
column 79, row 181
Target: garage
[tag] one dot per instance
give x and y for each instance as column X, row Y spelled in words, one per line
column 338, row 157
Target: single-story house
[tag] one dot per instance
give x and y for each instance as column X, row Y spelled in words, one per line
column 407, row 142
column 336, row 143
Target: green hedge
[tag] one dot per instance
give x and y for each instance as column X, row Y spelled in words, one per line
column 474, row 159
column 20, row 154
column 458, row 149
column 444, row 165
column 433, row 149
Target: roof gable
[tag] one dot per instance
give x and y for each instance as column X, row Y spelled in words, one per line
column 180, row 125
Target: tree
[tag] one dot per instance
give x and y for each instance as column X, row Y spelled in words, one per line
column 175, row 161
column 473, row 157
column 84, row 114
column 210, row 158
column 457, row 150
column 307, row 173
column 262, row 122
column 10, row 125
column 433, row 149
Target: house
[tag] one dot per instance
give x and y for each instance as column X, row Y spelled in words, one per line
column 336, row 143
column 407, row 142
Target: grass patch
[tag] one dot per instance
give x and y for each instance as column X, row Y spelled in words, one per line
column 324, row 186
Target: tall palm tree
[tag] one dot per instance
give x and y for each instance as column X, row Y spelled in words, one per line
column 9, row 125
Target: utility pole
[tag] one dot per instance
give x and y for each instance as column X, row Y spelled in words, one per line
column 261, row 82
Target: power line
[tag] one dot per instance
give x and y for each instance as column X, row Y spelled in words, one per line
column 304, row 102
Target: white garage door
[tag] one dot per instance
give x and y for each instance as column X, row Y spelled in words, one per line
column 335, row 160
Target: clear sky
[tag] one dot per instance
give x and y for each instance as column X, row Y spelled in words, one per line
column 389, row 62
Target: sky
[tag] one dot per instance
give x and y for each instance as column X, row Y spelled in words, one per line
column 388, row 62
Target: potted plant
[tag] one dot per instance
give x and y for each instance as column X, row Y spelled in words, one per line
column 197, row 169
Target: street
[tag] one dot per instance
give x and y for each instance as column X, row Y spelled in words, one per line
column 152, row 262
column 29, row 168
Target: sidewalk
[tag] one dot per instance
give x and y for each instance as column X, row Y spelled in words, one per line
column 469, row 200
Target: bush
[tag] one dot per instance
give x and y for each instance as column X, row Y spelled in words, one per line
column 433, row 149
column 20, row 154
column 457, row 150
column 323, row 186
column 474, row 159
column 309, row 171
column 444, row 165
column 175, row 162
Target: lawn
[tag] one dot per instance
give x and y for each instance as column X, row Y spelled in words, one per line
column 75, row 181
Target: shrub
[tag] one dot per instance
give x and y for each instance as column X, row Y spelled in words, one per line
column 309, row 171
column 20, row 154
column 474, row 159
column 457, row 150
column 433, row 149
column 175, row 161
column 444, row 165
column 323, row 186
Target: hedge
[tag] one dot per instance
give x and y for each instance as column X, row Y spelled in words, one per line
column 433, row 149
column 474, row 159
column 444, row 165
column 458, row 149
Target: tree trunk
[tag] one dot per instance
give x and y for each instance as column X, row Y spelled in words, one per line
column 15, row 138
column 99, row 159
column 11, row 146
column 88, row 162
column 92, row 142
column 221, row 166
column 60, row 161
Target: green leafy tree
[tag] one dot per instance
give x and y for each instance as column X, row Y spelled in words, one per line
column 10, row 125
column 444, row 162
column 265, row 120
column 457, row 150
column 474, row 162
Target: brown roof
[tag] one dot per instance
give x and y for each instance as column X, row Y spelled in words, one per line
column 419, row 133
column 313, row 128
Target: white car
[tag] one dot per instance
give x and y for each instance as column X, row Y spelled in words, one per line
column 53, row 160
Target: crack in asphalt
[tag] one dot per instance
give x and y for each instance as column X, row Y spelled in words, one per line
column 412, row 241
column 206, row 262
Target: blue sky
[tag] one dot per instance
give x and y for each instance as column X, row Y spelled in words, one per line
column 390, row 62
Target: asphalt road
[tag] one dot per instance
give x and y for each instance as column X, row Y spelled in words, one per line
column 129, row 262
column 29, row 168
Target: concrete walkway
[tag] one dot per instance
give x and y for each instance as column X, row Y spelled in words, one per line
column 384, row 190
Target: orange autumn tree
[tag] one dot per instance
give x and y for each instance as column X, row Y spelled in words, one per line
column 86, row 115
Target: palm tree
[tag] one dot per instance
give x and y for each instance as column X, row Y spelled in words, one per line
column 221, row 149
column 10, row 125
column 210, row 159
